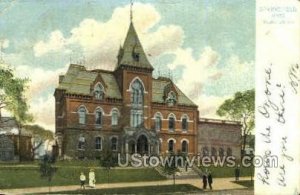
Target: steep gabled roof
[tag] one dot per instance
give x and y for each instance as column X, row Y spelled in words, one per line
column 132, row 52
column 78, row 80
column 158, row 87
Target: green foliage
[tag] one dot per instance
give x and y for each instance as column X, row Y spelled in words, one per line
column 240, row 107
column 12, row 98
column 40, row 132
column 47, row 169
column 108, row 159
column 242, row 104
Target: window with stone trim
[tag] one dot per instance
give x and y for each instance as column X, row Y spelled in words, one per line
column 229, row 152
column 205, row 151
column 98, row 117
column 114, row 117
column 184, row 123
column 184, row 146
column 114, row 144
column 137, row 103
column 98, row 143
column 171, row 123
column 221, row 152
column 171, row 146
column 82, row 115
column 158, row 122
column 81, row 142
column 171, row 99
column 99, row 92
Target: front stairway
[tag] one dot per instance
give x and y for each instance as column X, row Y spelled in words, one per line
column 189, row 172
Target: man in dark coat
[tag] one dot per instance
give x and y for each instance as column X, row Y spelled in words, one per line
column 210, row 180
column 204, row 180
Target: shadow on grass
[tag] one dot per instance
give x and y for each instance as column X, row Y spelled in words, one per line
column 163, row 189
column 246, row 183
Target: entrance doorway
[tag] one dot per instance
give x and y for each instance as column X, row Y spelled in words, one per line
column 142, row 145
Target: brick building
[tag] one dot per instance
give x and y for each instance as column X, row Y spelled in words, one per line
column 219, row 138
column 125, row 110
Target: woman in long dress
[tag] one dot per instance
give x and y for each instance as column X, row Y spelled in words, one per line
column 92, row 179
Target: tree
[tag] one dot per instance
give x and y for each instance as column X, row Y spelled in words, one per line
column 47, row 169
column 12, row 97
column 108, row 160
column 240, row 107
column 171, row 168
column 40, row 134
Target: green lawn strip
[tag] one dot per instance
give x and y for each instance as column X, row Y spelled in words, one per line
column 221, row 172
column 184, row 188
column 246, row 183
column 22, row 177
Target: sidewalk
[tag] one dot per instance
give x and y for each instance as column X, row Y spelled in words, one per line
column 218, row 184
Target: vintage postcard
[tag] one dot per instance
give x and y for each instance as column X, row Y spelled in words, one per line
column 149, row 97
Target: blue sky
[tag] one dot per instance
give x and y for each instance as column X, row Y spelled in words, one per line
column 207, row 44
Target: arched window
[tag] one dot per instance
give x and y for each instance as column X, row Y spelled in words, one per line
column 184, row 146
column 114, row 117
column 137, row 90
column 205, row 151
column 81, row 142
column 229, row 152
column 184, row 123
column 99, row 91
column 98, row 143
column 137, row 103
column 98, row 117
column 213, row 151
column 114, row 143
column 171, row 122
column 221, row 152
column 171, row 99
column 82, row 115
column 171, row 146
column 158, row 122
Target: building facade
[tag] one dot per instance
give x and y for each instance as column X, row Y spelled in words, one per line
column 125, row 110
column 219, row 138
column 14, row 147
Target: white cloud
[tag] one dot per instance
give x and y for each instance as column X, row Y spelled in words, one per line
column 40, row 79
column 196, row 71
column 56, row 42
column 5, row 43
column 43, row 111
column 208, row 105
column 100, row 41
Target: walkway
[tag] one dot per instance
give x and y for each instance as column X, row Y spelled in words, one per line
column 218, row 184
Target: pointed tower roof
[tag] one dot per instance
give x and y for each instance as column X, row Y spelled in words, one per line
column 132, row 53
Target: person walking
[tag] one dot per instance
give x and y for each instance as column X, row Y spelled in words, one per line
column 204, row 180
column 237, row 173
column 92, row 179
column 82, row 180
column 210, row 180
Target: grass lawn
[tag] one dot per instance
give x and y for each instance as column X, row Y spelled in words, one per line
column 184, row 188
column 21, row 177
column 219, row 172
column 246, row 183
